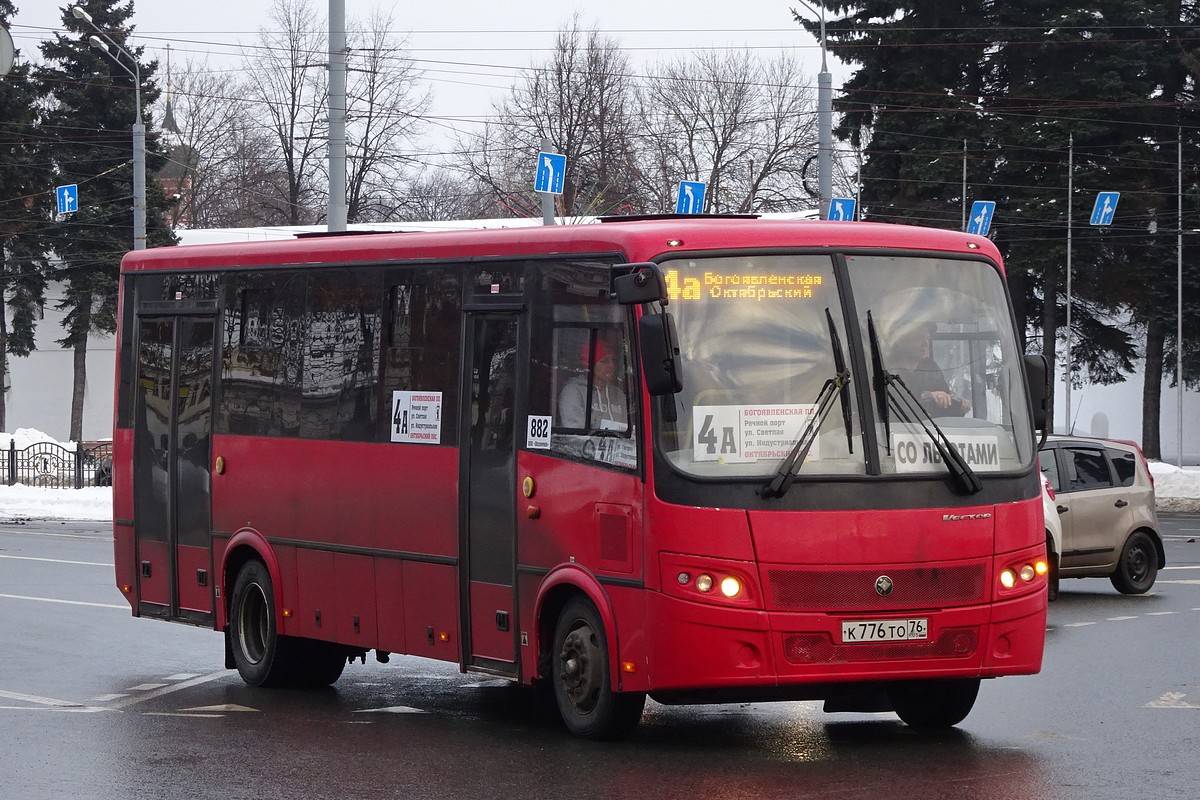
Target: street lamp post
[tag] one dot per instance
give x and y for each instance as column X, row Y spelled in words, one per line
column 824, row 120
column 103, row 42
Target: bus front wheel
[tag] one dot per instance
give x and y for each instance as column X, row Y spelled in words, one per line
column 582, row 679
column 258, row 650
column 934, row 705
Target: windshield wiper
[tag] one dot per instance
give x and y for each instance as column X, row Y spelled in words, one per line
column 891, row 392
column 839, row 385
column 839, row 364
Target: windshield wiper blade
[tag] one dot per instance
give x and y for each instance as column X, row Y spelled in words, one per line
column 837, row 385
column 879, row 382
column 909, row 409
column 839, row 364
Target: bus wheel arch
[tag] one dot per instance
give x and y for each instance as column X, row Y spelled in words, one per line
column 557, row 590
column 248, row 545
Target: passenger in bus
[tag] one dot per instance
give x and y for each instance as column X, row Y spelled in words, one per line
column 608, row 404
column 912, row 361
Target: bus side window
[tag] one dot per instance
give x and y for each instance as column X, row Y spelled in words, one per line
column 580, row 368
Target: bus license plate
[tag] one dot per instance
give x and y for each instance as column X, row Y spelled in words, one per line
column 884, row 630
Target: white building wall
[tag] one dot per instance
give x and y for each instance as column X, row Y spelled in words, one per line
column 39, row 386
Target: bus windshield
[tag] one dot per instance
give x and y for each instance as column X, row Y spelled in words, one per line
column 770, row 383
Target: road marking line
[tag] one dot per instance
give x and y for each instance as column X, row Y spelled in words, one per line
column 1171, row 700
column 1119, row 619
column 182, row 676
column 42, row 701
column 1185, row 566
column 1160, row 613
column 145, row 687
column 178, row 714
column 59, row 561
column 391, row 710
column 141, row 698
column 1183, row 583
column 105, row 698
column 64, row 602
column 60, row 709
column 1079, row 624
column 213, row 709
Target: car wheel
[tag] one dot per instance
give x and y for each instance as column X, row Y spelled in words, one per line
column 1138, row 566
column 582, row 679
column 934, row 705
column 1052, row 573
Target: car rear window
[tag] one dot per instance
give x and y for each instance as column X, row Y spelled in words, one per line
column 1125, row 464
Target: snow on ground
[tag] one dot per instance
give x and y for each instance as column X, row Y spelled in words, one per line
column 1175, row 490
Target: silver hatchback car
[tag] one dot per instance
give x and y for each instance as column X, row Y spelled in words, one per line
column 1104, row 496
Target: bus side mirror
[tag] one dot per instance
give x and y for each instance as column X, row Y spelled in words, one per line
column 656, row 335
column 1037, row 376
column 642, row 284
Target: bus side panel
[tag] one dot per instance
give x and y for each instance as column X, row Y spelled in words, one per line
column 431, row 610
column 389, row 604
column 391, row 497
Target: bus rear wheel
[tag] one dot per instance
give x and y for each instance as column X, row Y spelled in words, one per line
column 934, row 705
column 260, row 654
column 582, row 678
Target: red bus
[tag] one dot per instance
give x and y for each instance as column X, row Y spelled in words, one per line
column 696, row 459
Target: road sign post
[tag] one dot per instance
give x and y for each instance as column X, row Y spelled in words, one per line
column 1105, row 208
column 841, row 208
column 67, row 198
column 980, row 221
column 549, row 177
column 690, row 199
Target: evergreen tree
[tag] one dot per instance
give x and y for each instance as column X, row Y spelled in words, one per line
column 87, row 130
column 24, row 201
column 1018, row 81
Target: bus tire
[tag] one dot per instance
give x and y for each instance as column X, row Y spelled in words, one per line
column 934, row 704
column 259, row 653
column 582, row 679
column 1138, row 565
column 321, row 664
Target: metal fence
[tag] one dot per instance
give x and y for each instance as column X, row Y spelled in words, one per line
column 54, row 466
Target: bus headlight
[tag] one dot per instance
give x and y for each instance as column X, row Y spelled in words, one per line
column 704, row 583
column 731, row 587
column 1008, row 579
column 1028, row 573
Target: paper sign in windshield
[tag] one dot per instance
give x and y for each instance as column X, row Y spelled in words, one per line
column 739, row 434
column 917, row 453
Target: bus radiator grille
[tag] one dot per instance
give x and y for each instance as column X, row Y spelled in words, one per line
column 817, row 648
column 854, row 589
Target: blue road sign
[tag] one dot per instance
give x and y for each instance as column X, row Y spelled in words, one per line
column 551, row 170
column 691, row 197
column 1105, row 208
column 68, row 198
column 980, row 220
column 841, row 208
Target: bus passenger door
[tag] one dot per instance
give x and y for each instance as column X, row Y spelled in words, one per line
column 171, row 478
column 489, row 481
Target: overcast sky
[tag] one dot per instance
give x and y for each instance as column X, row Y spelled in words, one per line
column 469, row 50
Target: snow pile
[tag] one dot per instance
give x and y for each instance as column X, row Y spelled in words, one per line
column 1175, row 489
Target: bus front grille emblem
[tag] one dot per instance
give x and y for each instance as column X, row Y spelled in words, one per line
column 883, row 586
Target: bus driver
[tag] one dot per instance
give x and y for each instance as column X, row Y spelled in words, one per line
column 912, row 361
column 608, row 405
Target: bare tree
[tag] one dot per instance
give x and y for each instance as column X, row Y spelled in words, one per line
column 742, row 126
column 288, row 89
column 220, row 159
column 385, row 107
column 583, row 101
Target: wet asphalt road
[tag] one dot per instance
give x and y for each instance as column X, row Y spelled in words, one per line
column 96, row 704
